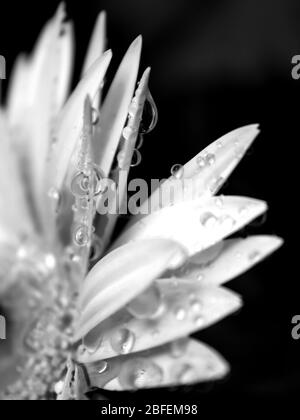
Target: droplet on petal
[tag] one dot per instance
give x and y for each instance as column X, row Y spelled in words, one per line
column 148, row 305
column 185, row 374
column 179, row 347
column 180, row 313
column 208, row 219
column 201, row 162
column 102, row 366
column 140, row 373
column 210, row 159
column 81, row 235
column 136, row 158
column 95, row 116
column 150, row 115
column 122, row 341
column 254, row 256
column 177, row 171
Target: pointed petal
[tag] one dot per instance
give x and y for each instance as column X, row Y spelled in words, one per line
column 237, row 256
column 97, row 43
column 70, row 122
column 196, row 224
column 115, row 108
column 204, row 175
column 187, row 308
column 120, row 276
column 160, row 367
column 106, row 225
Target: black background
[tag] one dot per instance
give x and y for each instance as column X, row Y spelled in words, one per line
column 216, row 65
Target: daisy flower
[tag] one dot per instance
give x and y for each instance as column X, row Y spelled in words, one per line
column 84, row 311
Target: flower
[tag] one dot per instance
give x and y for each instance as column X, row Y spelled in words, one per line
column 85, row 311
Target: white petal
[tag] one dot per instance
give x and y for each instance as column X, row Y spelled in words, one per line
column 196, row 224
column 106, row 225
column 70, row 122
column 120, row 276
column 207, row 171
column 188, row 307
column 237, row 256
column 160, row 367
column 97, row 43
column 115, row 108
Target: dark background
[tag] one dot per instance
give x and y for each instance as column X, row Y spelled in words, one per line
column 216, row 65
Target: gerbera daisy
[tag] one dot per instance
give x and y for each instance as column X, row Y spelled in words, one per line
column 85, row 311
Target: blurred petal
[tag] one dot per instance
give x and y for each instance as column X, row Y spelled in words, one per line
column 115, row 108
column 188, row 307
column 208, row 170
column 159, row 367
column 196, row 224
column 122, row 275
column 70, row 121
column 97, row 43
column 237, row 256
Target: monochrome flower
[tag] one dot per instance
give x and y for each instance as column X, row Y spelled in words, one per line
column 85, row 310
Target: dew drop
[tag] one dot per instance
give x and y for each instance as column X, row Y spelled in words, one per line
column 254, row 256
column 199, row 320
column 196, row 305
column 95, row 116
column 150, row 115
column 200, row 276
column 122, row 341
column 180, row 313
column 201, row 162
column 219, row 201
column 136, row 158
column 102, row 366
column 127, row 132
column 92, row 344
column 81, row 235
column 179, row 347
column 80, row 184
column 140, row 373
column 227, row 222
column 208, row 220
column 96, row 248
column 186, row 374
column 216, row 185
column 210, row 159
column 177, row 171
column 148, row 305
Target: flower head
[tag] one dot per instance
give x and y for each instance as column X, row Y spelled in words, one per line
column 87, row 311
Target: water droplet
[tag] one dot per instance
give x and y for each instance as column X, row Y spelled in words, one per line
column 102, row 366
column 53, row 193
column 177, row 171
column 140, row 142
column 127, row 132
column 96, row 248
column 219, row 144
column 200, row 276
column 148, row 305
column 216, row 185
column 180, row 313
column 227, row 222
column 210, row 159
column 84, row 203
column 208, row 219
column 186, row 374
column 95, row 116
column 254, row 256
column 199, row 320
column 92, row 344
column 201, row 162
column 150, row 115
column 81, row 235
column 219, row 201
column 196, row 305
column 140, row 373
column 179, row 347
column 136, row 158
column 122, row 341
column 80, row 184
